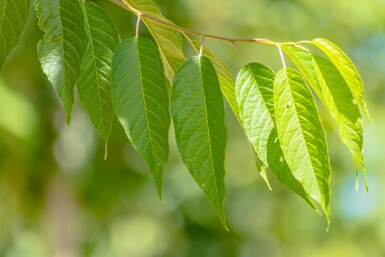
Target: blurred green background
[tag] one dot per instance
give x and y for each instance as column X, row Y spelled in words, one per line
column 58, row 197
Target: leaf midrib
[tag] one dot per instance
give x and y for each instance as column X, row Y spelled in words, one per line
column 2, row 18
column 89, row 35
column 145, row 107
column 63, row 51
column 208, row 129
column 263, row 99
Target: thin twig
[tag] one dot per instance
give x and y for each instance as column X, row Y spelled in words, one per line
column 137, row 25
column 191, row 32
column 202, row 45
column 190, row 41
column 281, row 55
column 241, row 52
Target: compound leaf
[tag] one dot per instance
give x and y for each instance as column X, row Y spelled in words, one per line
column 141, row 101
column 61, row 49
column 13, row 18
column 197, row 110
column 347, row 69
column 255, row 94
column 94, row 84
column 301, row 135
column 341, row 105
column 169, row 40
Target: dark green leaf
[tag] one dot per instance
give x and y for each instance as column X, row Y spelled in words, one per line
column 227, row 83
column 198, row 114
column 94, row 85
column 13, row 18
column 341, row 105
column 302, row 136
column 226, row 79
column 61, row 50
column 169, row 40
column 255, row 94
column 141, row 102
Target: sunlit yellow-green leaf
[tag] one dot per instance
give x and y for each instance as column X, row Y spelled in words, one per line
column 303, row 60
column 341, row 104
column 255, row 94
column 301, row 135
column 347, row 69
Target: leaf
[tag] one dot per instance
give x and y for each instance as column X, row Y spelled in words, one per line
column 94, row 84
column 226, row 79
column 13, row 18
column 169, row 40
column 61, row 49
column 141, row 102
column 303, row 60
column 302, row 136
column 255, row 94
column 341, row 105
column 347, row 69
column 227, row 83
column 197, row 110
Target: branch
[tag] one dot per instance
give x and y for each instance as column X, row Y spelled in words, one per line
column 191, row 32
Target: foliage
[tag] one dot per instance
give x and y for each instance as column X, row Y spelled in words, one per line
column 278, row 112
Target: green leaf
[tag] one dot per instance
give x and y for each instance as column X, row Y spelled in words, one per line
column 197, row 110
column 255, row 94
column 94, row 84
column 141, row 101
column 61, row 50
column 226, row 79
column 227, row 83
column 302, row 136
column 169, row 40
column 347, row 69
column 13, row 18
column 341, row 105
column 303, row 60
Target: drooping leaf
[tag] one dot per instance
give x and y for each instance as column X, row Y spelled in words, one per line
column 198, row 113
column 13, row 18
column 347, row 69
column 61, row 49
column 227, row 83
column 141, row 101
column 226, row 79
column 169, row 40
column 341, row 105
column 301, row 135
column 303, row 60
column 94, row 84
column 255, row 94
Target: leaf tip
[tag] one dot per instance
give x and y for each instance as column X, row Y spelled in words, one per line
column 157, row 178
column 224, row 223
column 160, row 194
column 68, row 118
